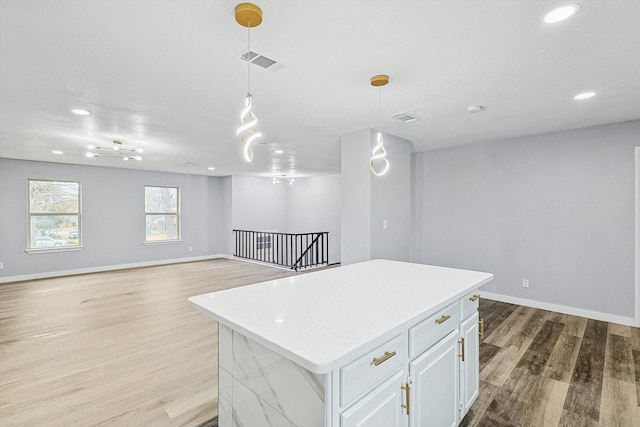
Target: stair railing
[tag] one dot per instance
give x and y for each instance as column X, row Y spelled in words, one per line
column 295, row 251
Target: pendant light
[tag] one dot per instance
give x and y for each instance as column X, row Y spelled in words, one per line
column 248, row 15
column 379, row 154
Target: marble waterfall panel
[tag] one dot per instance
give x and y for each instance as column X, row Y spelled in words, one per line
column 292, row 390
column 251, row 411
column 225, row 358
column 225, row 396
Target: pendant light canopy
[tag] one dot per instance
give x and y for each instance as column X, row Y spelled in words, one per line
column 248, row 15
column 379, row 164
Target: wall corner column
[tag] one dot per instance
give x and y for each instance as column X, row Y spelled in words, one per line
column 375, row 220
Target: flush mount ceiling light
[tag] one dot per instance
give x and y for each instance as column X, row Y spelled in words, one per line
column 248, row 15
column 115, row 151
column 80, row 112
column 584, row 95
column 379, row 154
column 56, row 152
column 283, row 180
column 561, row 13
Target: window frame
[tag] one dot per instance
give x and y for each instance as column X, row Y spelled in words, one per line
column 31, row 214
column 177, row 214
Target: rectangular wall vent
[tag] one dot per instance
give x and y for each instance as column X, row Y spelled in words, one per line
column 404, row 117
column 262, row 61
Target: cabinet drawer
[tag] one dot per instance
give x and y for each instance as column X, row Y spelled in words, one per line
column 363, row 374
column 469, row 304
column 433, row 329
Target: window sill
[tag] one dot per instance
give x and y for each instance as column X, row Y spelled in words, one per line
column 54, row 249
column 161, row 242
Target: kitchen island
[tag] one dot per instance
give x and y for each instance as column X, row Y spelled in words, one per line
column 377, row 344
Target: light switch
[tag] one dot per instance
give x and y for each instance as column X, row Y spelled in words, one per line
column 384, row 224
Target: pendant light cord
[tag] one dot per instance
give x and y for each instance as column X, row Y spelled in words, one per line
column 249, row 55
column 379, row 109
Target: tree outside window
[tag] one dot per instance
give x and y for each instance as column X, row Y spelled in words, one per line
column 54, row 214
column 162, row 212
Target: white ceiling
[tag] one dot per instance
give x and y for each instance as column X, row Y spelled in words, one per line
column 165, row 75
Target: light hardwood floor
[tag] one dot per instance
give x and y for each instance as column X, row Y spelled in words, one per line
column 120, row 348
column 125, row 348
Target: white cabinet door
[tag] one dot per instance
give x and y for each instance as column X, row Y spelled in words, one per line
column 469, row 369
column 380, row 408
column 434, row 385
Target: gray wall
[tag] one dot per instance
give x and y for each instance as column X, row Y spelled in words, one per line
column 308, row 205
column 112, row 217
column 367, row 199
column 218, row 215
column 557, row 209
column 391, row 200
column 356, row 197
column 314, row 205
column 227, row 215
column 259, row 204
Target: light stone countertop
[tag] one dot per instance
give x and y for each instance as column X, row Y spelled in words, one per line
column 325, row 319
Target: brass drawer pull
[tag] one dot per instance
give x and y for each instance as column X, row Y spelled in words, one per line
column 443, row 319
column 473, row 298
column 481, row 333
column 387, row 356
column 461, row 341
column 407, row 396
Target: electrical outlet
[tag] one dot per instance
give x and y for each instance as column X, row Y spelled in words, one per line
column 190, row 248
column 1, row 265
column 385, row 224
column 525, row 283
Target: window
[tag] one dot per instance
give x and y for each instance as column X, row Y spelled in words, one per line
column 54, row 214
column 162, row 211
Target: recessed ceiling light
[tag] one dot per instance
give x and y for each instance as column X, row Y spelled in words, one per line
column 279, row 151
column 211, row 168
column 584, row 95
column 56, row 152
column 561, row 13
column 474, row 109
column 80, row 112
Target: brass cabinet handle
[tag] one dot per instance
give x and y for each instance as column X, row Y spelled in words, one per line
column 407, row 396
column 481, row 333
column 461, row 341
column 473, row 298
column 387, row 356
column 443, row 319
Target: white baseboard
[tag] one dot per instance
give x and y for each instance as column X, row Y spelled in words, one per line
column 51, row 274
column 574, row 311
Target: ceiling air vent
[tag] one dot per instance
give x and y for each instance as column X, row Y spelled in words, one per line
column 404, row 117
column 262, row 61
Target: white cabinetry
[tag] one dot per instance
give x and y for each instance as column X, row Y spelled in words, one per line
column 469, row 368
column 438, row 380
column 434, row 390
column 380, row 408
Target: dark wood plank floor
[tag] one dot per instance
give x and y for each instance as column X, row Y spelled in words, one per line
column 544, row 369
